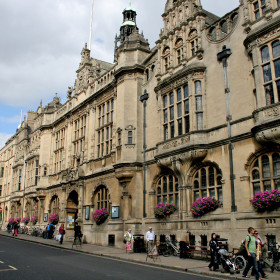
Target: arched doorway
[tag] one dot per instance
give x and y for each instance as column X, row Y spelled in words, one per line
column 72, row 209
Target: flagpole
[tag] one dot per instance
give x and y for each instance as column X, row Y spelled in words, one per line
column 90, row 28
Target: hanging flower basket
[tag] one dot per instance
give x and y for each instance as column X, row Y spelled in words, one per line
column 204, row 205
column 34, row 219
column 100, row 216
column 54, row 218
column 266, row 201
column 26, row 220
column 11, row 220
column 163, row 210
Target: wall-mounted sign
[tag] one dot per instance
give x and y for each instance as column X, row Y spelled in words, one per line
column 115, row 212
column 70, row 220
column 87, row 213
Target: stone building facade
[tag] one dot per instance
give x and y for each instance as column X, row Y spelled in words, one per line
column 167, row 124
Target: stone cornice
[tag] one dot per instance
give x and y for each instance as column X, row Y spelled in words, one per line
column 129, row 69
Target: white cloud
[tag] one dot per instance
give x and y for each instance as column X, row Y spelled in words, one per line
column 3, row 138
column 41, row 41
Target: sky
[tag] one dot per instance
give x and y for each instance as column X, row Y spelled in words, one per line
column 41, row 42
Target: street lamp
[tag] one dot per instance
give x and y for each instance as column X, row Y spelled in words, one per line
column 143, row 98
column 222, row 57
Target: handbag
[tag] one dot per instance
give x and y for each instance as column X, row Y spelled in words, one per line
column 124, row 241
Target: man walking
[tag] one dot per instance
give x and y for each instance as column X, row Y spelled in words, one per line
column 250, row 246
column 150, row 237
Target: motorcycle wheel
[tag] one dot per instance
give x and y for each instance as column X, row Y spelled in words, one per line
column 240, row 262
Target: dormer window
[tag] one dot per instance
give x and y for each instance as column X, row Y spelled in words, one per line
column 166, row 58
column 179, row 50
column 259, row 8
column 193, row 42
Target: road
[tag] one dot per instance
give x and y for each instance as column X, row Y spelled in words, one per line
column 24, row 260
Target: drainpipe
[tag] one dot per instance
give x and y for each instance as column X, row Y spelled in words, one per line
column 222, row 57
column 143, row 98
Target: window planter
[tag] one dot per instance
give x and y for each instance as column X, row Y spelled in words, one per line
column 100, row 216
column 204, row 205
column 163, row 210
column 266, row 201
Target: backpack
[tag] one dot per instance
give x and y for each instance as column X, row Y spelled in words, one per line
column 243, row 250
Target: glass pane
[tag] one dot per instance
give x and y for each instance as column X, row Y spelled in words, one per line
column 165, row 113
column 172, row 130
column 179, row 95
column 187, row 124
column 269, row 96
column 219, row 180
column 203, row 178
column 256, row 174
column 180, row 127
column 256, row 187
column 276, row 49
column 165, row 128
column 171, row 98
column 198, row 103
column 265, row 167
column 172, row 113
column 196, row 195
column 256, row 5
column 265, row 54
column 278, row 88
column 276, row 165
column 211, row 176
column 267, row 73
column 158, row 199
column 170, row 184
column 159, row 190
column 256, row 164
column 263, row 2
column 220, row 194
column 165, row 198
column 277, row 184
column 164, row 185
column 204, row 193
column 171, row 199
column 212, row 193
column 199, row 121
column 164, row 101
column 277, row 68
column 267, row 185
column 196, row 184
column 179, row 110
column 186, row 91
column 187, row 107
column 198, row 87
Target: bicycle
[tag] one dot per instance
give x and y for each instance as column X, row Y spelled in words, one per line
column 170, row 248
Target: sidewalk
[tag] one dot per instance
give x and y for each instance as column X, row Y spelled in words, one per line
column 191, row 265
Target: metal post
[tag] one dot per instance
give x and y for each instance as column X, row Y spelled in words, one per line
column 143, row 98
column 222, row 57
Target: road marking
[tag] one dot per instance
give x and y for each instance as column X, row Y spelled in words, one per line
column 1, row 262
column 12, row 267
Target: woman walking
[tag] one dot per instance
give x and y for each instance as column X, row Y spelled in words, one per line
column 213, row 252
column 128, row 241
column 61, row 232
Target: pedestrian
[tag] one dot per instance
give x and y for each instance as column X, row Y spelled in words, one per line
column 214, row 247
column 259, row 245
column 61, row 232
column 267, row 262
column 15, row 228
column 250, row 246
column 9, row 228
column 50, row 230
column 77, row 234
column 128, row 237
column 150, row 238
column 184, row 245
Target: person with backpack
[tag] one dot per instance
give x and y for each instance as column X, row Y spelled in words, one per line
column 251, row 249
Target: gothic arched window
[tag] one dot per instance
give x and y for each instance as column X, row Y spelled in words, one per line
column 167, row 190
column 54, row 206
column 101, row 198
column 166, row 58
column 193, row 42
column 207, row 183
column 179, row 50
column 265, row 173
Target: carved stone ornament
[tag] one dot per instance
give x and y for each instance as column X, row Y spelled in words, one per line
column 268, row 136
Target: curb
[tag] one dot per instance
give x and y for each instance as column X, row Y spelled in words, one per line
column 222, row 276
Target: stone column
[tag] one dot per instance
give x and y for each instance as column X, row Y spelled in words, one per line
column 81, row 201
